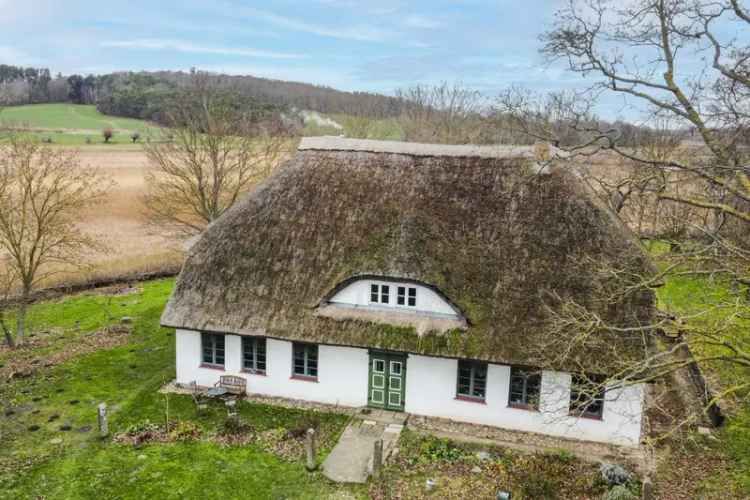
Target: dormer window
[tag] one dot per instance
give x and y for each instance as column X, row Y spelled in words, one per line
column 393, row 301
column 380, row 294
column 407, row 296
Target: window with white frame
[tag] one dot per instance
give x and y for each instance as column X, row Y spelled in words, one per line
column 406, row 296
column 254, row 355
column 212, row 345
column 380, row 293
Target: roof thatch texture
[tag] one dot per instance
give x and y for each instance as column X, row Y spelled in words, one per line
column 504, row 239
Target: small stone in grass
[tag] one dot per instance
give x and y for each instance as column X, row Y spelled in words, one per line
column 33, row 428
column 37, row 399
column 476, row 469
column 52, row 418
column 85, row 428
column 65, row 427
column 56, row 441
column 126, row 320
column 9, row 413
column 36, row 412
column 483, row 456
column 73, row 402
column 141, row 457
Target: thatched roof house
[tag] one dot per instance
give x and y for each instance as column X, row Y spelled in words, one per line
column 505, row 239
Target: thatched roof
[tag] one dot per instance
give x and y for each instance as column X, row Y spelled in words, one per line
column 505, row 238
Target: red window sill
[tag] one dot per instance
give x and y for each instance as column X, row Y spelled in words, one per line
column 587, row 417
column 523, row 407
column 304, row 378
column 251, row 372
column 469, row 399
column 213, row 367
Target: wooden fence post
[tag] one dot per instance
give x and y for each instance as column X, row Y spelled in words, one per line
column 310, row 449
column 103, row 426
column 377, row 457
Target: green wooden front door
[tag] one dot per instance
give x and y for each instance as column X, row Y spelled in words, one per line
column 387, row 381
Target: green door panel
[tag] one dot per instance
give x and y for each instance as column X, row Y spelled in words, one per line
column 387, row 381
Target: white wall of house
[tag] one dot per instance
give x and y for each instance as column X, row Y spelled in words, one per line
column 342, row 371
column 357, row 294
column 430, row 390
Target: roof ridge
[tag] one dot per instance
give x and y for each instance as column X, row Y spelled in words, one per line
column 332, row 143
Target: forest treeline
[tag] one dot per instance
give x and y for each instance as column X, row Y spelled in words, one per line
column 145, row 95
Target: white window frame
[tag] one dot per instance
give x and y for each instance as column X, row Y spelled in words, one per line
column 381, row 293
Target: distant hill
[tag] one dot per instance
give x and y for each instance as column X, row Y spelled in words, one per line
column 143, row 94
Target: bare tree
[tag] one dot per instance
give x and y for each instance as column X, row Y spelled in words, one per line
column 42, row 191
column 217, row 154
column 696, row 169
column 445, row 113
column 638, row 49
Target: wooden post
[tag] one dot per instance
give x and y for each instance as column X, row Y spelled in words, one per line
column 377, row 457
column 647, row 491
column 310, row 449
column 103, row 426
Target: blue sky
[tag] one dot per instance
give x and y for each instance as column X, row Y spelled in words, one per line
column 352, row 45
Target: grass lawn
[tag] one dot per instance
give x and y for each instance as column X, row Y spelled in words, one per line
column 50, row 447
column 67, row 116
column 73, row 124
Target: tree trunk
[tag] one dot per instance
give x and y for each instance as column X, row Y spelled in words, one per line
column 6, row 331
column 21, row 318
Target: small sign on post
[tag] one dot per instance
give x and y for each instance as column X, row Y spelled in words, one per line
column 310, row 450
column 103, row 426
column 377, row 457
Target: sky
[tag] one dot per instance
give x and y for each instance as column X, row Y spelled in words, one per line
column 376, row 46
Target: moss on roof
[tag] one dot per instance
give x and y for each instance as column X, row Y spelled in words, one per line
column 491, row 233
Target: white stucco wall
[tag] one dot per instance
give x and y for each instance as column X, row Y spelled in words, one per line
column 342, row 371
column 430, row 390
column 357, row 294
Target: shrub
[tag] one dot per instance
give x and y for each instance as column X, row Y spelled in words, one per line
column 47, row 140
column 135, row 136
column 439, row 450
column 614, row 474
column 185, row 431
column 620, row 492
column 107, row 133
column 141, row 427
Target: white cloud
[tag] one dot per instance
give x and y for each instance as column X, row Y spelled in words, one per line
column 362, row 32
column 189, row 47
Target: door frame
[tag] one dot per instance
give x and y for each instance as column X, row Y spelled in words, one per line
column 388, row 358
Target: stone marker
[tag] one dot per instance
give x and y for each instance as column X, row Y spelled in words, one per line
column 310, row 449
column 103, row 426
column 377, row 457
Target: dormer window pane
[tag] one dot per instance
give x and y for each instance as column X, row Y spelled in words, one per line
column 384, row 290
column 412, row 297
column 374, row 293
column 401, row 297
